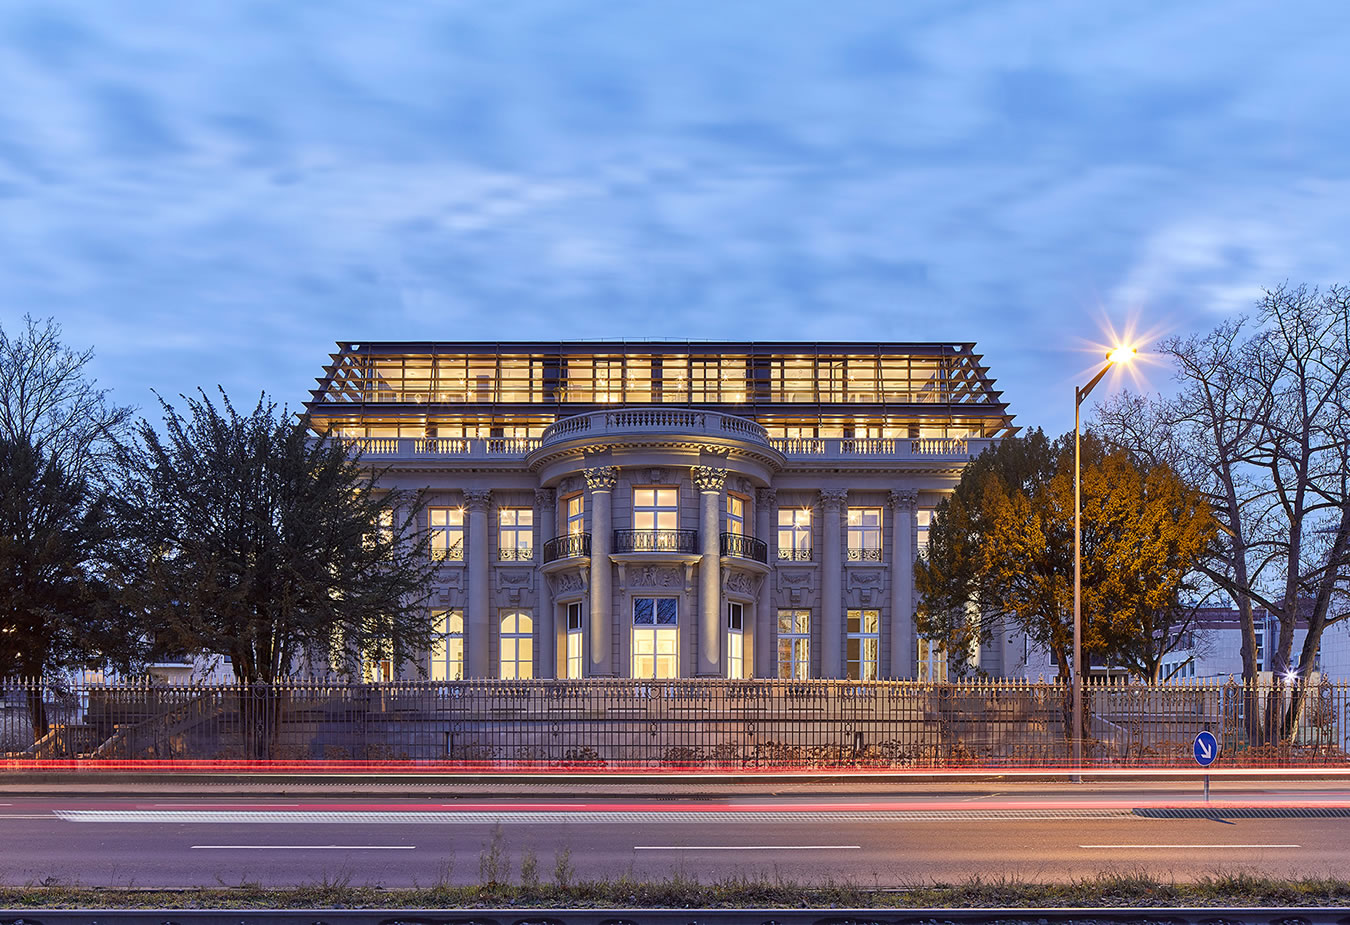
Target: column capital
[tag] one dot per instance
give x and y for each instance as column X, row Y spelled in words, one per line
column 904, row 499
column 765, row 497
column 709, row 478
column 477, row 499
column 833, row 499
column 543, row 497
column 601, row 478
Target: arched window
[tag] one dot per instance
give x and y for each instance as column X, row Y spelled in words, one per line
column 517, row 645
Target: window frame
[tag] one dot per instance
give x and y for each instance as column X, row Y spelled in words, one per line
column 656, row 508
column 514, row 550
column 861, row 534
column 864, row 642
column 448, row 639
column 661, row 635
column 440, row 536
column 798, row 547
column 735, row 632
column 574, row 663
column 519, row 639
column 798, row 662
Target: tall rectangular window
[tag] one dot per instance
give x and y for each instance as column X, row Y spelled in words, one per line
column 656, row 637
column 794, row 534
column 575, row 652
column 656, row 509
column 864, row 534
column 794, row 644
column 516, row 643
column 576, row 515
column 515, row 537
column 862, row 643
column 933, row 661
column 447, row 645
column 447, row 533
column 924, row 520
column 736, row 515
column 735, row 640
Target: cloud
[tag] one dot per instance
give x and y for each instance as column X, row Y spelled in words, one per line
column 218, row 191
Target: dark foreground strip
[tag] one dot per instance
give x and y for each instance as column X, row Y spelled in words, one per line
column 1244, row 812
column 1107, row 916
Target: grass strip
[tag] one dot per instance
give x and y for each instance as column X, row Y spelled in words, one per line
column 677, row 891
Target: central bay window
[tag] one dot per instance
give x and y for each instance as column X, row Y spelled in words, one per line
column 860, row 652
column 656, row 509
column 864, row 534
column 573, row 666
column 516, row 643
column 794, row 644
column 515, row 536
column 735, row 640
column 446, row 526
column 794, row 534
column 656, row 638
column 447, row 645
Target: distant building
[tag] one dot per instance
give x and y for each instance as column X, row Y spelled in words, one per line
column 668, row 509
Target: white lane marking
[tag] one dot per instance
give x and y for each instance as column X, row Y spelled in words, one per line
column 1190, row 846
column 216, row 805
column 26, row 816
column 747, row 847
column 307, row 847
column 553, row 817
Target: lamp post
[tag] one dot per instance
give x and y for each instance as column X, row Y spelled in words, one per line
column 1121, row 354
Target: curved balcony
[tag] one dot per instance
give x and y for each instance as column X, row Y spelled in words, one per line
column 571, row 546
column 629, row 421
column 740, row 546
column 677, row 541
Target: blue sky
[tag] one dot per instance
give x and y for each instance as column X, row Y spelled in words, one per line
column 215, row 192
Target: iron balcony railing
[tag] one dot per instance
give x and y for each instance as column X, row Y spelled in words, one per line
column 570, row 546
column 515, row 554
column 864, row 554
column 681, row 541
column 788, row 554
column 745, row 547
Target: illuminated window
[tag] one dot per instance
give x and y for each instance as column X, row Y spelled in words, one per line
column 735, row 640
column 830, row 379
column 447, row 533
column 794, row 644
column 656, row 638
column 447, row 645
column 515, row 537
column 736, row 515
column 933, row 661
column 861, row 644
column 794, row 534
column 925, row 521
column 574, row 641
column 864, row 534
column 794, row 380
column 574, row 507
column 517, row 645
column 656, row 509
column 608, row 379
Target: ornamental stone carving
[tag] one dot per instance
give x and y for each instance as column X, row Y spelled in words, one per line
column 833, row 499
column 543, row 498
column 766, row 497
column 601, row 478
column 568, row 582
column 651, row 576
column 904, row 499
column 707, row 478
column 741, row 583
column 477, row 499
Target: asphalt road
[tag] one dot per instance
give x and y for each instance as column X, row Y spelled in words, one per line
column 885, row 840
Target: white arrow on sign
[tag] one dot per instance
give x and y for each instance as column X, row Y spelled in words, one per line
column 1204, row 749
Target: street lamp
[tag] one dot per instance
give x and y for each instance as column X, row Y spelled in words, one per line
column 1122, row 354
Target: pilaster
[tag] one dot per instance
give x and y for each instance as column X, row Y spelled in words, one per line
column 903, row 651
column 477, row 620
column 832, row 503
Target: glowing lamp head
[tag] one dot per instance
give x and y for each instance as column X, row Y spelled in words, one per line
column 1122, row 354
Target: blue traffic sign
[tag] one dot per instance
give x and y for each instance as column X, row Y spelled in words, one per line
column 1206, row 749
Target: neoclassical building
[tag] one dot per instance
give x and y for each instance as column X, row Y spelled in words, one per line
column 660, row 509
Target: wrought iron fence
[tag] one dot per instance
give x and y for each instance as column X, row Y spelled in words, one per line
column 698, row 723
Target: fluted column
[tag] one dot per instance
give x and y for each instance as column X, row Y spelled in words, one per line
column 766, row 507
column 903, row 653
column 546, row 626
column 709, row 482
column 832, row 502
column 601, row 481
column 476, row 631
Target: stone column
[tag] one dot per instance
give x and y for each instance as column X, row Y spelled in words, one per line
column 545, row 620
column 903, row 652
column 832, row 502
column 766, row 506
column 476, row 634
column 601, row 481
column 709, row 482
